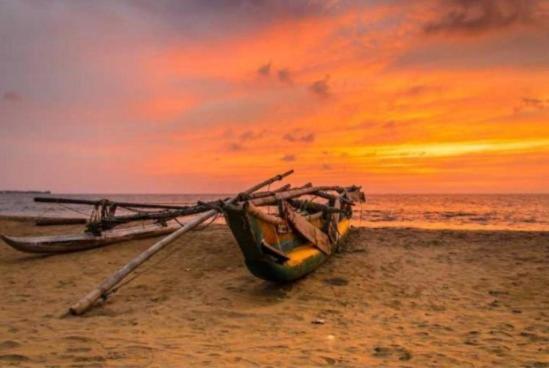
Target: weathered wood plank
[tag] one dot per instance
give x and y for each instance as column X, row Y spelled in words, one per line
column 278, row 254
column 310, row 232
column 52, row 221
column 257, row 212
column 292, row 194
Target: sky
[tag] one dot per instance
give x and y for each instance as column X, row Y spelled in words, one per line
column 169, row 96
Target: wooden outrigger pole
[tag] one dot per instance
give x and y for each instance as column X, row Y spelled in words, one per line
column 90, row 202
column 103, row 217
column 100, row 227
column 103, row 290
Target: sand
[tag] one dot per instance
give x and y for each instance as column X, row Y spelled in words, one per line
column 391, row 298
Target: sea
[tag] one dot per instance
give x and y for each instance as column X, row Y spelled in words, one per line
column 431, row 211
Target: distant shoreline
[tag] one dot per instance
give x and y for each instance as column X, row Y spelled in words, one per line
column 25, row 192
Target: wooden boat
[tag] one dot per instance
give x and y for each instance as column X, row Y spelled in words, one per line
column 75, row 242
column 99, row 229
column 280, row 247
column 294, row 243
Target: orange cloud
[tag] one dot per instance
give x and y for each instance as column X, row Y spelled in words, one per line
column 402, row 96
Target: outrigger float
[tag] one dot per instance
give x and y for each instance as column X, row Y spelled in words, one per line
column 283, row 234
column 52, row 244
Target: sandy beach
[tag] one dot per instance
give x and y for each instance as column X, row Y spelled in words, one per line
column 391, row 298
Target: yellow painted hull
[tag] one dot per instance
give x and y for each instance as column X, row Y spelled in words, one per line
column 302, row 257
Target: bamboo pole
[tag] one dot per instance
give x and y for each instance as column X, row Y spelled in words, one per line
column 96, row 202
column 274, row 219
column 270, row 193
column 283, row 188
column 102, row 290
column 332, row 197
column 166, row 215
column 292, row 193
column 271, row 219
column 311, row 206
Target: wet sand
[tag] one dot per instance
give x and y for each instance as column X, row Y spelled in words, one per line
column 390, row 298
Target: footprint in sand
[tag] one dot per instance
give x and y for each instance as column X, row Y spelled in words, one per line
column 77, row 338
column 537, row 365
column 78, row 350
column 89, row 359
column 9, row 344
column 13, row 358
column 336, row 281
column 392, row 351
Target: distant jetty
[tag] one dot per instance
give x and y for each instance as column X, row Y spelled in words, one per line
column 25, row 192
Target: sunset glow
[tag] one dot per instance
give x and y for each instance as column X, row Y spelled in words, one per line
column 398, row 96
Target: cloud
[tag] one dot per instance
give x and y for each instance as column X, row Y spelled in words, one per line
column 296, row 137
column 480, row 16
column 284, row 76
column 83, row 86
column 250, row 135
column 537, row 103
column 416, row 90
column 264, row 69
column 11, row 96
column 246, row 136
column 239, row 12
column 235, row 147
column 320, row 87
column 531, row 104
column 516, row 50
column 376, row 125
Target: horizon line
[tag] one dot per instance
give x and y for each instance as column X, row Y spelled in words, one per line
column 42, row 192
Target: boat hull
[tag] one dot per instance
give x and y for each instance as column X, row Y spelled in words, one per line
column 52, row 244
column 303, row 257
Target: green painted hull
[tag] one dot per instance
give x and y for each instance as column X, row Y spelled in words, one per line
column 250, row 231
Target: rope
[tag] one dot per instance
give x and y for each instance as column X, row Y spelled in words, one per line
column 44, row 211
column 209, row 223
column 74, row 210
column 131, row 209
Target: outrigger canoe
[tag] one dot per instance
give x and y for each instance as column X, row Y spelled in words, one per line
column 289, row 246
column 277, row 247
column 99, row 230
column 75, row 242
